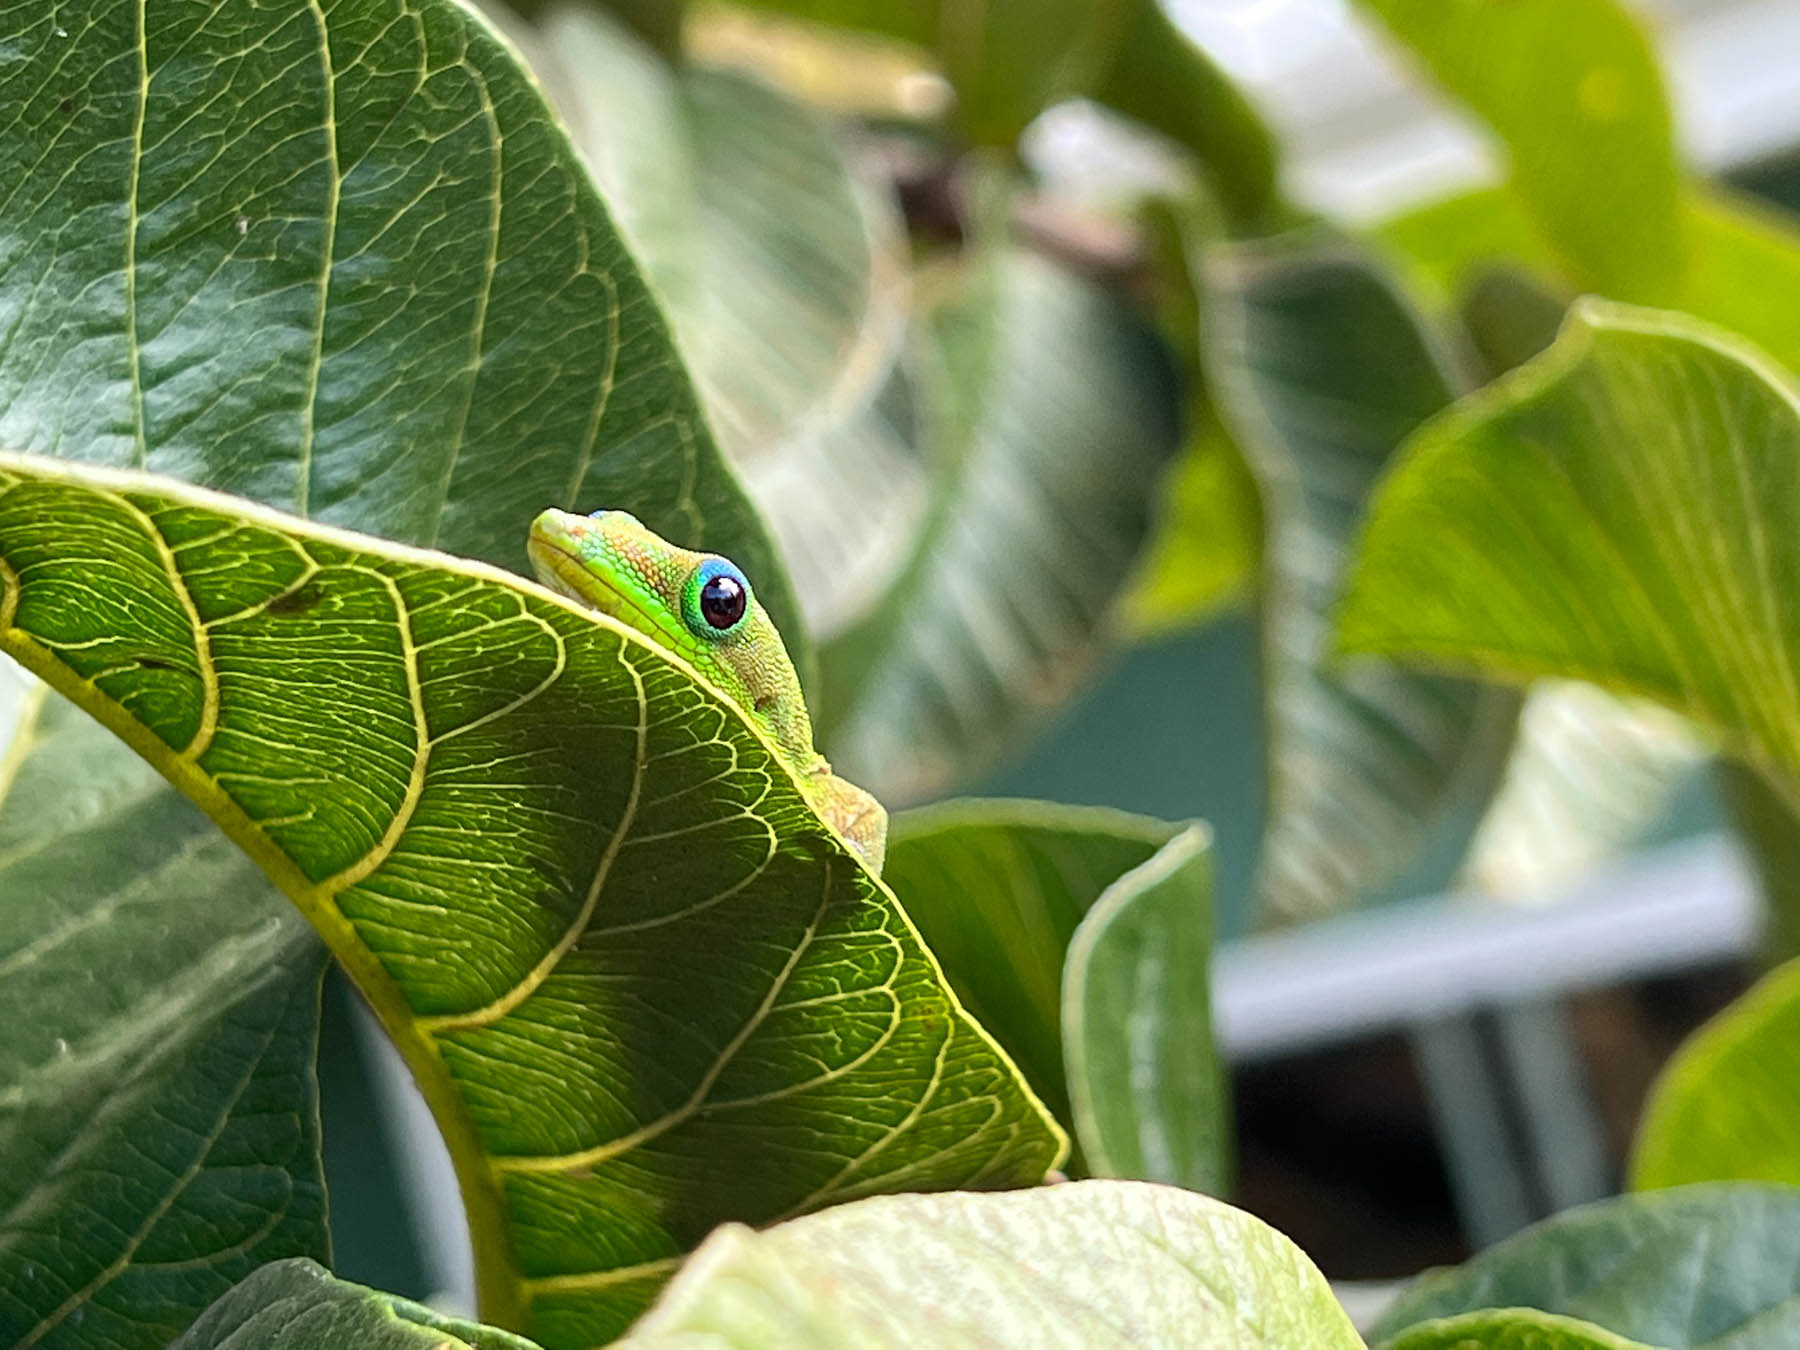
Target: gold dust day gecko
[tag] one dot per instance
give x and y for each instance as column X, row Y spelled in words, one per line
column 700, row 606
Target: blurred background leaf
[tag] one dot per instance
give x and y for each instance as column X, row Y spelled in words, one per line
column 160, row 1119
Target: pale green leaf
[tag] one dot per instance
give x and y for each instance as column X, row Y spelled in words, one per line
column 1146, row 1086
column 641, row 985
column 1510, row 1329
column 296, row 1305
column 1066, row 413
column 1377, row 776
column 1699, row 1268
column 1572, row 89
column 1100, row 1265
column 1727, row 1106
column 1620, row 510
column 158, row 1109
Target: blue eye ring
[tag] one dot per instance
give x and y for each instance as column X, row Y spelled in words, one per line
column 716, row 601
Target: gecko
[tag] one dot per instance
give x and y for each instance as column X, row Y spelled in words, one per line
column 701, row 606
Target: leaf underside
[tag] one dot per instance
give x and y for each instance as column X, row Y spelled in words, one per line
column 642, row 986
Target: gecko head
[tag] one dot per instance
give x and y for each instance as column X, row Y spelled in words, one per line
column 611, row 561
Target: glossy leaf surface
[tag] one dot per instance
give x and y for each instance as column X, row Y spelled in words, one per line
column 1147, row 1088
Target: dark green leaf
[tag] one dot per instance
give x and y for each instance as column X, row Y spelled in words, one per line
column 641, row 985
column 1146, row 1086
column 158, row 1110
column 1377, row 776
column 295, row 1305
column 1081, row 938
column 1573, row 90
column 1700, row 1268
column 340, row 260
column 1105, row 1265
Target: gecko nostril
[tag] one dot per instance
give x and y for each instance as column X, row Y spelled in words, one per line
column 596, row 515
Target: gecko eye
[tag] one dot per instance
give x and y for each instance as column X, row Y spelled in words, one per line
column 716, row 600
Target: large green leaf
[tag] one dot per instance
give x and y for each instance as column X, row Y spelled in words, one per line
column 158, row 1111
column 1700, row 1268
column 1589, row 773
column 295, row 1305
column 1620, row 510
column 1081, row 937
column 340, row 260
column 1510, row 1329
column 642, row 987
column 1067, row 412
column 786, row 279
column 1377, row 776
column 1573, row 90
column 1146, row 1088
column 1727, row 1106
column 1110, row 1265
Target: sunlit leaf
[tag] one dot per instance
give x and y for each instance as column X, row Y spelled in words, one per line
column 1510, row 1329
column 1114, row 1264
column 1727, row 1106
column 1621, row 510
column 642, row 987
column 1572, row 89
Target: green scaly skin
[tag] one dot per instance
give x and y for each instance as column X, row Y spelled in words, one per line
column 614, row 563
